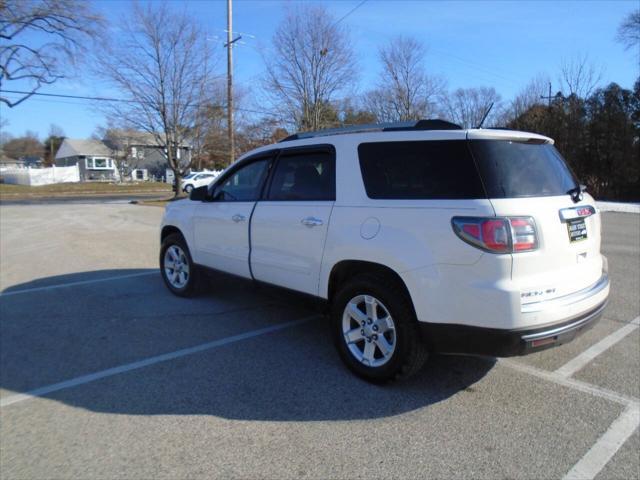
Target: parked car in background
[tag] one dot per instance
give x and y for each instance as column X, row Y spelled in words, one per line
column 197, row 179
column 421, row 237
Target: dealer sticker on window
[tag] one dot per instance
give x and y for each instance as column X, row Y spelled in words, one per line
column 577, row 230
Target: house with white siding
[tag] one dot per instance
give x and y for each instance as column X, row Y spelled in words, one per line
column 123, row 154
column 94, row 159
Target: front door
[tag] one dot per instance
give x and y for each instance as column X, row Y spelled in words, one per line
column 221, row 226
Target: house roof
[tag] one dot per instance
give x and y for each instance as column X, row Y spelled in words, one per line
column 73, row 147
column 122, row 138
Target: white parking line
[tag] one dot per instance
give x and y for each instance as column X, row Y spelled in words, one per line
column 73, row 284
column 579, row 362
column 571, row 383
column 38, row 392
column 607, row 445
column 619, row 431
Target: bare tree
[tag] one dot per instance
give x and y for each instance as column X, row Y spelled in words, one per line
column 629, row 31
column 26, row 146
column 579, row 76
column 467, row 106
column 312, row 62
column 52, row 143
column 210, row 139
column 120, row 141
column 161, row 63
column 404, row 91
column 42, row 40
column 4, row 135
column 534, row 93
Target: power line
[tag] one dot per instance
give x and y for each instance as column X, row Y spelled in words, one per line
column 77, row 97
column 350, row 12
column 121, row 100
column 478, row 67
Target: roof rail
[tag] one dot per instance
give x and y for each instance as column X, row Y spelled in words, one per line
column 435, row 124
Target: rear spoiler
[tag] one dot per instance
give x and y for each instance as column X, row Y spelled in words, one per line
column 511, row 135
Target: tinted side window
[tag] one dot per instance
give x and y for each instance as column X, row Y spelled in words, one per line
column 515, row 169
column 419, row 170
column 304, row 176
column 243, row 185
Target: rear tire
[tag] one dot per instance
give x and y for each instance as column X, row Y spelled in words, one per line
column 375, row 329
column 180, row 274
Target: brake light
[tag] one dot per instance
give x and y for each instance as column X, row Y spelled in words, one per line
column 584, row 212
column 497, row 234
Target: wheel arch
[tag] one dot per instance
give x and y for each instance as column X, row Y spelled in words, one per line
column 346, row 269
column 169, row 230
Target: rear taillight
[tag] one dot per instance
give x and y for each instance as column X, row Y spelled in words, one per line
column 497, row 234
column 523, row 234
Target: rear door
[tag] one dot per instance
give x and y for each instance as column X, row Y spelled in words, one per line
column 289, row 227
column 529, row 178
column 221, row 225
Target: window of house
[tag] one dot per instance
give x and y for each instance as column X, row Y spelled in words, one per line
column 100, row 163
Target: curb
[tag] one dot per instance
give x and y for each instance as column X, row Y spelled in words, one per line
column 618, row 207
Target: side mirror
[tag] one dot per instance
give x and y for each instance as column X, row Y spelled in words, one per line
column 199, row 194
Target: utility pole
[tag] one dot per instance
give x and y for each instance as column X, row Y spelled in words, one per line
column 230, row 82
column 549, row 97
column 229, row 46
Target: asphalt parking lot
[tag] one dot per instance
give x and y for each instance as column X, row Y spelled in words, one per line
column 104, row 374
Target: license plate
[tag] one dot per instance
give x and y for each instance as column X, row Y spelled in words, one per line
column 577, row 230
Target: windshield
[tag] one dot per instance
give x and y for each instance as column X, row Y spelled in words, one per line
column 515, row 169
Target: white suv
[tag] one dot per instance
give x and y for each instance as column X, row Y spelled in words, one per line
column 197, row 179
column 422, row 237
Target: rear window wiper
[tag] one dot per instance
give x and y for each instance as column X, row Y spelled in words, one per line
column 576, row 192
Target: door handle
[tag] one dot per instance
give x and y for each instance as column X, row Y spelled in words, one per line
column 238, row 218
column 311, row 222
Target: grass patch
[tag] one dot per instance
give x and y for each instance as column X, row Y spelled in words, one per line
column 83, row 188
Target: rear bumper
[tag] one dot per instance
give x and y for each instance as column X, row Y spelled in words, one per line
column 463, row 339
column 598, row 288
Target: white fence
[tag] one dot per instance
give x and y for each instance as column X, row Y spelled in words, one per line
column 41, row 176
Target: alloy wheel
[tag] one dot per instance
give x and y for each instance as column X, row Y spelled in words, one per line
column 176, row 267
column 368, row 330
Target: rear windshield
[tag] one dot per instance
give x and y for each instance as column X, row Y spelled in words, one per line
column 419, row 170
column 516, row 169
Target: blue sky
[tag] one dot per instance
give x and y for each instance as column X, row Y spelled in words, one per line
column 501, row 44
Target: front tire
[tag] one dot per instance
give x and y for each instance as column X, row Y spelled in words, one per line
column 188, row 189
column 178, row 271
column 375, row 329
